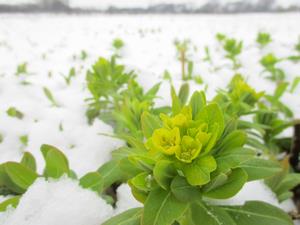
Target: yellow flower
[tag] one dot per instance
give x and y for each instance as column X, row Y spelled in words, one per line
column 190, row 149
column 166, row 140
column 180, row 120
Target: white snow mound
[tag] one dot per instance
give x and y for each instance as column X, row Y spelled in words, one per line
column 59, row 202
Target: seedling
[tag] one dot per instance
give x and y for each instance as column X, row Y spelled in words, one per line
column 21, row 69
column 263, row 39
column 233, row 48
column 72, row 73
column 50, row 97
column 269, row 62
column 182, row 50
column 83, row 55
column 14, row 112
column 117, row 44
column 24, row 140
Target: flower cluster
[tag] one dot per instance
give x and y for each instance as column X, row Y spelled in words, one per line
column 181, row 136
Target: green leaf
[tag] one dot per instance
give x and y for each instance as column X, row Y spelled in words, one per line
column 20, row 175
column 14, row 112
column 163, row 173
column 197, row 102
column 295, row 84
column 149, row 123
column 183, row 191
column 176, row 104
column 184, row 93
column 232, row 141
column 142, row 162
column 235, row 181
column 93, row 181
column 201, row 214
column 233, row 158
column 212, row 114
column 28, row 160
column 162, row 208
column 110, row 172
column 141, row 182
column 129, row 217
column 198, row 172
column 258, row 213
column 14, row 201
column 56, row 162
column 50, row 97
column 260, row 168
column 280, row 89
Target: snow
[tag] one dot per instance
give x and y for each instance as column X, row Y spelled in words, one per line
column 262, row 192
column 58, row 202
column 48, row 43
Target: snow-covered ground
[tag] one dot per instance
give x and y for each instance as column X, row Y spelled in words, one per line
column 51, row 45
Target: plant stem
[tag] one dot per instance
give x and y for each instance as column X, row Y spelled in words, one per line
column 182, row 59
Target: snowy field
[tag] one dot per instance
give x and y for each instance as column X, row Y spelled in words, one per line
column 52, row 44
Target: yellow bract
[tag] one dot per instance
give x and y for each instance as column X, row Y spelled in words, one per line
column 166, row 140
column 190, row 149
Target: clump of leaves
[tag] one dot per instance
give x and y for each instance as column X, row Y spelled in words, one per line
column 190, row 156
column 269, row 62
column 24, row 140
column 283, row 182
column 16, row 178
column 233, row 48
column 239, row 99
column 118, row 99
column 117, row 45
column 21, row 69
column 14, row 112
column 220, row 37
column 263, row 39
column 105, row 80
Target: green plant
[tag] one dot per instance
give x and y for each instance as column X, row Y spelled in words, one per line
column 182, row 48
column 21, row 69
column 233, row 48
column 239, row 98
column 269, row 62
column 105, row 80
column 83, row 55
column 263, row 39
column 50, row 97
column 72, row 73
column 16, row 178
column 189, row 157
column 117, row 45
column 118, row 99
column 14, row 112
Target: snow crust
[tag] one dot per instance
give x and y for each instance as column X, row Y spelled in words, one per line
column 58, row 202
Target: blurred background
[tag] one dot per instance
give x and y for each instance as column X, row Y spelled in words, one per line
column 150, row 6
